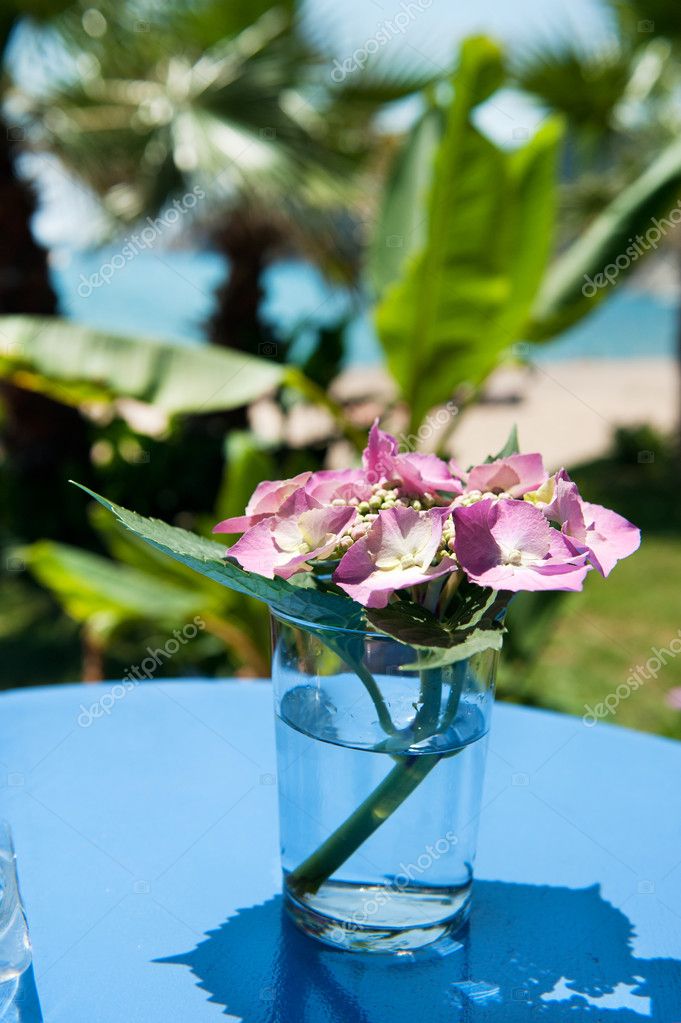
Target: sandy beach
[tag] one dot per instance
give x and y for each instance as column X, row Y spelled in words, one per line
column 567, row 409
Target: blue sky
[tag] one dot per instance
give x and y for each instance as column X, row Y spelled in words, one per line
column 433, row 31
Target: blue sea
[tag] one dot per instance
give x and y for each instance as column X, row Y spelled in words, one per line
column 169, row 294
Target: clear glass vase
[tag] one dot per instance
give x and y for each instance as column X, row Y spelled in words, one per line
column 380, row 772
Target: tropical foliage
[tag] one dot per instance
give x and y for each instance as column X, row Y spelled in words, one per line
column 461, row 268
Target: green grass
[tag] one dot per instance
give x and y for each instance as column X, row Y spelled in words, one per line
column 589, row 643
column 602, row 634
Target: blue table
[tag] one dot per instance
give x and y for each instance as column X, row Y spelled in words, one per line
column 147, row 848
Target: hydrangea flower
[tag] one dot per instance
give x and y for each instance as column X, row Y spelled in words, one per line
column 405, row 519
column 329, row 485
column 267, row 499
column 603, row 535
column 398, row 551
column 509, row 545
column 418, row 473
column 514, row 475
column 283, row 544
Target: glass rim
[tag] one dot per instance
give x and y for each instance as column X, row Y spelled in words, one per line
column 319, row 626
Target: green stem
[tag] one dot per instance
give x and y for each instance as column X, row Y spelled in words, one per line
column 380, row 804
column 360, row 825
column 374, row 692
column 430, row 693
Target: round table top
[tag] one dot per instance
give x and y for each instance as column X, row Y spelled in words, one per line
column 146, row 842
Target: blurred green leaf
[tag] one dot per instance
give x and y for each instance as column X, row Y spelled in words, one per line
column 72, row 363
column 247, row 463
column 561, row 300
column 103, row 594
column 403, row 221
column 465, row 297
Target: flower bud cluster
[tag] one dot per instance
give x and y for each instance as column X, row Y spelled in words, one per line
column 383, row 496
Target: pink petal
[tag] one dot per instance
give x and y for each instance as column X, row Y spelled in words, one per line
column 266, row 499
column 417, row 472
column 269, row 495
column 486, row 531
column 520, row 526
column 256, row 551
column 533, row 577
column 266, row 547
column 515, row 475
column 392, row 535
column 239, row 524
column 328, row 485
column 425, row 473
column 566, row 506
column 377, row 457
column 608, row 537
column 474, row 544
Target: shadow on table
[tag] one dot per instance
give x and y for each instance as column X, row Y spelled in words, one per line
column 530, row 952
column 19, row 1000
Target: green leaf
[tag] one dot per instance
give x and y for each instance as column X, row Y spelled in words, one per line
column 561, row 301
column 458, row 283
column 402, row 225
column 465, row 296
column 104, row 594
column 208, row 558
column 410, row 623
column 473, row 641
column 473, row 627
column 511, row 447
column 533, row 171
column 72, row 363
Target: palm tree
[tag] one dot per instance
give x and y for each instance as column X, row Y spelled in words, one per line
column 230, row 100
column 617, row 98
column 621, row 103
column 35, row 428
